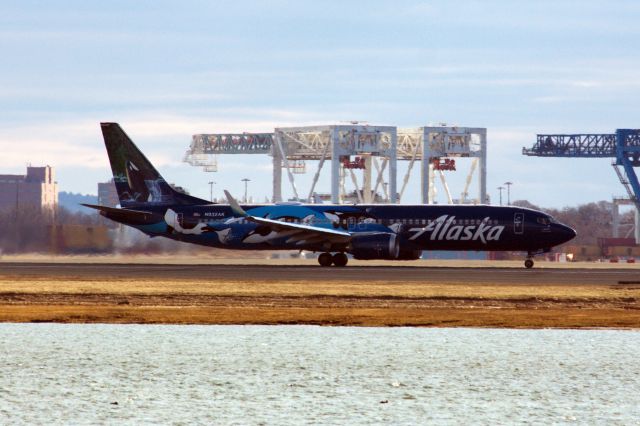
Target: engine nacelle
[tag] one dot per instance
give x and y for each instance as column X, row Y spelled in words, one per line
column 379, row 245
column 409, row 254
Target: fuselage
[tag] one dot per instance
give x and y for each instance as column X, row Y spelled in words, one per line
column 418, row 227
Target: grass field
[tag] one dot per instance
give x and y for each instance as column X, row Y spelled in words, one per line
column 32, row 297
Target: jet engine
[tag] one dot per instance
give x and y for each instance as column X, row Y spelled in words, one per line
column 409, row 254
column 379, row 245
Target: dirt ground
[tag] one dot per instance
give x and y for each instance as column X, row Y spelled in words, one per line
column 453, row 296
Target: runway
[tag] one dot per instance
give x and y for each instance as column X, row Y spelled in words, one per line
column 354, row 295
column 279, row 273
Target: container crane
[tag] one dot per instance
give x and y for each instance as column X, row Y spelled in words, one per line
column 623, row 146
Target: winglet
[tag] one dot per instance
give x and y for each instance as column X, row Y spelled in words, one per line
column 235, row 207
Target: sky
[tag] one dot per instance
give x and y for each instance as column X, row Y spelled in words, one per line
column 166, row 70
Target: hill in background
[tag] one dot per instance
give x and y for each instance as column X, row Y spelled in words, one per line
column 71, row 201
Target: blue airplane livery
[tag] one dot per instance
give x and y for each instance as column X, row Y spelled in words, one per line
column 371, row 231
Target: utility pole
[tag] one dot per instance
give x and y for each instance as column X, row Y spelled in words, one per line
column 211, row 188
column 508, row 192
column 500, row 188
column 246, row 181
column 16, row 210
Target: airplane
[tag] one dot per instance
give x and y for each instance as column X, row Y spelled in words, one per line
column 364, row 231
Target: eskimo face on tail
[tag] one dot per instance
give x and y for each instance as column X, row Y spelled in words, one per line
column 135, row 180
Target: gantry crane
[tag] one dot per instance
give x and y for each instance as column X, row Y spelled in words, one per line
column 358, row 146
column 623, row 146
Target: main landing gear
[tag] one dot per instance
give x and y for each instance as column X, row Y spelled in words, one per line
column 338, row 259
column 528, row 263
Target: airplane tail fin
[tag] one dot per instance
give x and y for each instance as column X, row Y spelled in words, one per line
column 137, row 181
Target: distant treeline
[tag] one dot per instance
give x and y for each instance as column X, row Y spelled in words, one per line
column 29, row 230
column 591, row 221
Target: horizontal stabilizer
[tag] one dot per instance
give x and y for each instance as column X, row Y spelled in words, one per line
column 127, row 216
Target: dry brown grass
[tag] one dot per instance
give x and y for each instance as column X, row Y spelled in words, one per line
column 76, row 299
column 436, row 317
column 75, row 285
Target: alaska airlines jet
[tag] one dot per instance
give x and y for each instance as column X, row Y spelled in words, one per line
column 371, row 231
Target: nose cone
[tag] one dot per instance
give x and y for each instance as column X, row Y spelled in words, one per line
column 564, row 233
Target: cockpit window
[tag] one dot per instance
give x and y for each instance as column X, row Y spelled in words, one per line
column 544, row 220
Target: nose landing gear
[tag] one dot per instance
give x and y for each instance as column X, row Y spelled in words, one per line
column 338, row 259
column 528, row 263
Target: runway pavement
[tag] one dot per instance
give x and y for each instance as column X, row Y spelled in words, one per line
column 276, row 273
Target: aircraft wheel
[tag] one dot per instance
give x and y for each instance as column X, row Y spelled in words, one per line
column 528, row 263
column 325, row 259
column 340, row 259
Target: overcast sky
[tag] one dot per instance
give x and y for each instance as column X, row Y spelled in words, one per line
column 166, row 70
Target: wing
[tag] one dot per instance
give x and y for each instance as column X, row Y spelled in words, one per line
column 297, row 233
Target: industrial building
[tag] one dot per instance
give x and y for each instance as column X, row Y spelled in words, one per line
column 37, row 189
column 107, row 194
